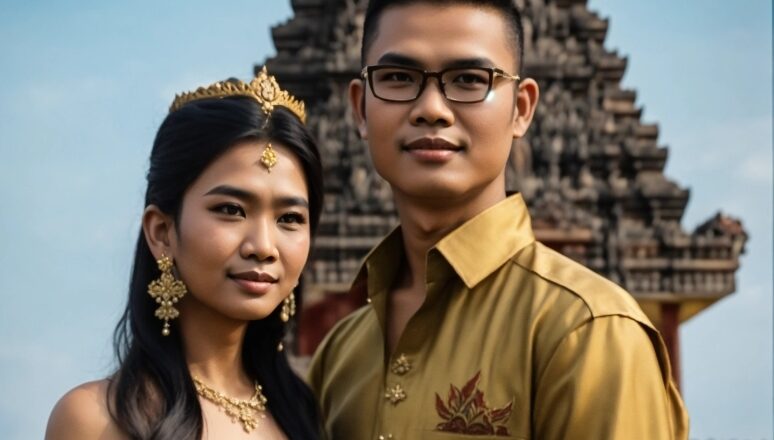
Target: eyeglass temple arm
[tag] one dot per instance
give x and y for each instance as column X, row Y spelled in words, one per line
column 505, row 75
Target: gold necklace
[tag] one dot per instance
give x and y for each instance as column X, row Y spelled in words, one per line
column 243, row 411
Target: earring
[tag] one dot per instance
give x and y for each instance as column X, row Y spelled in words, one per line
column 288, row 308
column 167, row 291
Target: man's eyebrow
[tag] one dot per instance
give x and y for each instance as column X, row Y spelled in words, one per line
column 468, row 62
column 404, row 60
column 399, row 60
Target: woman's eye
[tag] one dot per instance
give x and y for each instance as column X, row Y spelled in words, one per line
column 230, row 210
column 292, row 217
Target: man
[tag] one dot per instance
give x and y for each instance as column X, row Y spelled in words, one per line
column 473, row 329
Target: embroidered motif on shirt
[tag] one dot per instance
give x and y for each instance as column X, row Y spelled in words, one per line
column 466, row 412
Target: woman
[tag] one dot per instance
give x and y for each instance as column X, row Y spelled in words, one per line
column 234, row 195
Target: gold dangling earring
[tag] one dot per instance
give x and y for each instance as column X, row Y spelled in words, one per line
column 167, row 291
column 288, row 308
column 287, row 312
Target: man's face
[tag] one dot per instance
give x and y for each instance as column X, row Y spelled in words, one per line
column 433, row 148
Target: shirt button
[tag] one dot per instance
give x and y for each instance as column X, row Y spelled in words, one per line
column 401, row 365
column 395, row 395
column 386, row 437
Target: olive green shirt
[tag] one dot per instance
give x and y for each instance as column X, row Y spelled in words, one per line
column 513, row 340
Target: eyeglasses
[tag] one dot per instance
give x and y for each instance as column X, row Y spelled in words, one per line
column 404, row 84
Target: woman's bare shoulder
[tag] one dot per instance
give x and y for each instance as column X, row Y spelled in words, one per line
column 83, row 413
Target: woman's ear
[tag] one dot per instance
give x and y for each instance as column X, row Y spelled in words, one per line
column 357, row 104
column 526, row 102
column 158, row 228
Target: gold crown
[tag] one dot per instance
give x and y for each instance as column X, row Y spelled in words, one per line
column 263, row 88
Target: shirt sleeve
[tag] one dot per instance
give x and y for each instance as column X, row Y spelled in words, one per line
column 608, row 380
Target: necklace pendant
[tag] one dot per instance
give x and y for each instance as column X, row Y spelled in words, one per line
column 246, row 412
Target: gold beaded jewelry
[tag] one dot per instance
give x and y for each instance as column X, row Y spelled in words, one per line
column 246, row 412
column 288, row 308
column 264, row 89
column 268, row 157
column 167, row 291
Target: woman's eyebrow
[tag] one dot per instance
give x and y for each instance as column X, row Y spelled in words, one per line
column 233, row 191
column 290, row 201
column 242, row 194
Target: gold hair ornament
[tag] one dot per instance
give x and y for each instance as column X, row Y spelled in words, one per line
column 167, row 291
column 263, row 88
column 268, row 157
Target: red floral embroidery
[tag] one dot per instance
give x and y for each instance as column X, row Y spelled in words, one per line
column 465, row 412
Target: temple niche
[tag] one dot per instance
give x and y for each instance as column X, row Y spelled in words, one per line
column 591, row 170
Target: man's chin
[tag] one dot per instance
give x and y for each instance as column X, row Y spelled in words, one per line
column 434, row 190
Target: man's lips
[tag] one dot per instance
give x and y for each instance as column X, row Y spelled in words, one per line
column 431, row 144
column 254, row 282
column 432, row 150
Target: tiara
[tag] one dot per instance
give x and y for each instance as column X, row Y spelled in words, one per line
column 263, row 88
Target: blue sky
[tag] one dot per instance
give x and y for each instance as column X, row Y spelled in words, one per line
column 84, row 86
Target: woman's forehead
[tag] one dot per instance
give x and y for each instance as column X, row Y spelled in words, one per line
column 241, row 166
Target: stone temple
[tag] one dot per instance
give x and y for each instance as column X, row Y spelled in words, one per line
column 590, row 169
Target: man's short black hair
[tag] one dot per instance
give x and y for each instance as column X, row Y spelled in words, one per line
column 505, row 7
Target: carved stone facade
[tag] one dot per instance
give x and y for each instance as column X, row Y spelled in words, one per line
column 589, row 168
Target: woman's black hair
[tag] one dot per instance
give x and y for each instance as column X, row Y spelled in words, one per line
column 151, row 395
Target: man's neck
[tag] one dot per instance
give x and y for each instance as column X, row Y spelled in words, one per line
column 424, row 223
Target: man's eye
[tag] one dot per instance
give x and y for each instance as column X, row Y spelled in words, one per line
column 230, row 210
column 396, row 76
column 470, row 79
column 292, row 217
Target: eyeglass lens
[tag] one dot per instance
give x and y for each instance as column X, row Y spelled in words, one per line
column 463, row 85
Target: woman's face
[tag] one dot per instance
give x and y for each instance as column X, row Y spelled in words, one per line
column 243, row 234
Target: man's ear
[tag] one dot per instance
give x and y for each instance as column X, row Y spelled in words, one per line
column 158, row 228
column 526, row 102
column 357, row 104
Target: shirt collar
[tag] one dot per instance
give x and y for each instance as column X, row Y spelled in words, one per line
column 474, row 250
column 485, row 242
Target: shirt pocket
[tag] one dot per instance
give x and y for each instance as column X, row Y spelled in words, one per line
column 439, row 435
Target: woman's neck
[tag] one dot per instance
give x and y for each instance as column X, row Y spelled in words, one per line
column 212, row 345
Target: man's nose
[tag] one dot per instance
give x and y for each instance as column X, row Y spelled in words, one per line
column 432, row 107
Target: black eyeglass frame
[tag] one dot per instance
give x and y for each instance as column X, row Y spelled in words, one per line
column 367, row 75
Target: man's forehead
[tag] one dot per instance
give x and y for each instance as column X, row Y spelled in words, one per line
column 446, row 35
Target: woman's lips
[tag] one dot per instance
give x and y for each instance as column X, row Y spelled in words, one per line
column 432, row 150
column 256, row 283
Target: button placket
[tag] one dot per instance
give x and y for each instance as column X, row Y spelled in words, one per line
column 401, row 365
column 395, row 394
